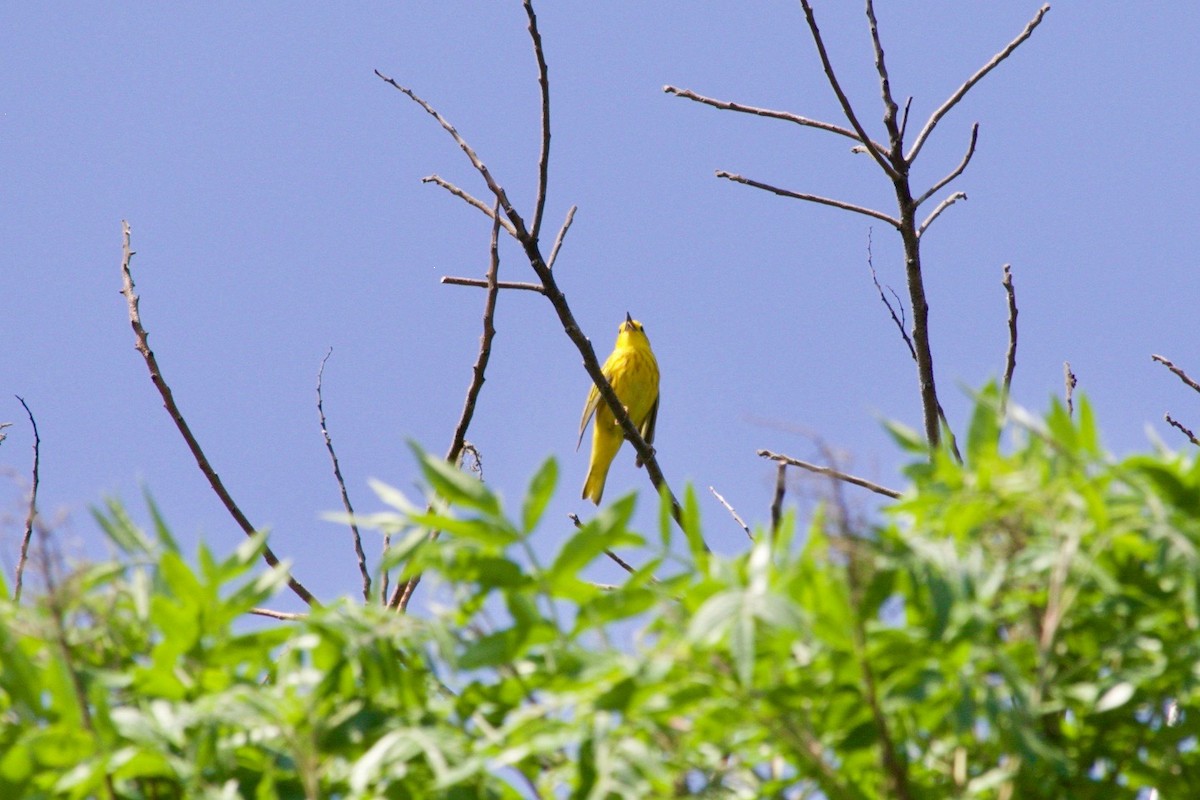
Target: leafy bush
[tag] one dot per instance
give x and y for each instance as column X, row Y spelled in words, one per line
column 1021, row 625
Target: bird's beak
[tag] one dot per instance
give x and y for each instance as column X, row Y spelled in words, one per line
column 628, row 318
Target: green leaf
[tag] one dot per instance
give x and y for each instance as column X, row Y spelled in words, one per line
column 541, row 489
column 983, row 436
column 455, row 485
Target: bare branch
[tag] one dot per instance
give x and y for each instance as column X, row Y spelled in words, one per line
column 904, row 118
column 847, row 109
column 483, row 284
column 725, row 105
column 562, row 234
column 285, row 615
column 812, row 198
column 937, row 115
column 1185, row 431
column 833, row 473
column 890, row 108
column 31, row 514
column 518, row 224
column 898, row 320
column 620, row 562
column 1183, row 376
column 464, row 195
column 942, row 206
column 962, row 165
column 337, row 474
column 777, row 500
column 1010, row 358
column 732, row 513
column 142, row 345
column 535, row 224
column 1069, row 382
column 404, row 590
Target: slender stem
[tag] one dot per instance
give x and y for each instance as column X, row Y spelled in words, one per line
column 1010, row 358
column 535, row 225
column 777, row 501
column 732, row 513
column 405, row 590
column 952, row 101
column 725, row 105
column 562, row 234
column 31, row 513
column 1182, row 429
column 962, row 165
column 483, row 284
column 937, row 212
column 1183, row 376
column 341, row 482
column 142, row 345
column 462, row 194
column 833, row 473
column 812, row 198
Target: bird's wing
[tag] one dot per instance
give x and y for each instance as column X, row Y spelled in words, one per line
column 647, row 429
column 593, row 402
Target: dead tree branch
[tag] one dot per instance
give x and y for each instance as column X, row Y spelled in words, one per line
column 833, row 473
column 732, row 513
column 1183, row 376
column 961, row 92
column 688, row 94
column 462, row 194
column 812, row 198
column 1010, row 357
column 404, row 590
column 562, row 234
column 483, row 284
column 31, row 514
column 1174, row 423
column 337, row 474
column 1069, row 383
column 777, row 500
column 141, row 343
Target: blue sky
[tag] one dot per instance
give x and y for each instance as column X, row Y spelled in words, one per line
column 273, row 185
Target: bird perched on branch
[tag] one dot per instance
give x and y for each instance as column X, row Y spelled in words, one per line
column 633, row 372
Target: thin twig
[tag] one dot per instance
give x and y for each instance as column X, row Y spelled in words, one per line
column 724, row 105
column 1183, row 376
column 812, row 198
column 462, row 194
column 942, row 206
column 622, row 563
column 896, row 319
column 562, row 233
column 777, row 500
column 142, row 345
column 341, row 482
column 937, row 115
column 732, row 513
column 1069, row 382
column 483, row 284
column 539, row 205
column 1010, row 358
column 31, row 514
column 890, row 109
column 847, row 109
column 962, row 165
column 833, row 473
column 404, row 590
column 904, row 118
column 268, row 612
column 1185, row 431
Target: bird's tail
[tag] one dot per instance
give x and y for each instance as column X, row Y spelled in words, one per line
column 605, row 445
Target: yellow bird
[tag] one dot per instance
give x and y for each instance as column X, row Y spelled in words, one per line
column 633, row 372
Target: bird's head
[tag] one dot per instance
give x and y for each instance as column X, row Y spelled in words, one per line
column 631, row 333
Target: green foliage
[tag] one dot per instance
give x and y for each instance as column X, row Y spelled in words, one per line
column 1023, row 624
